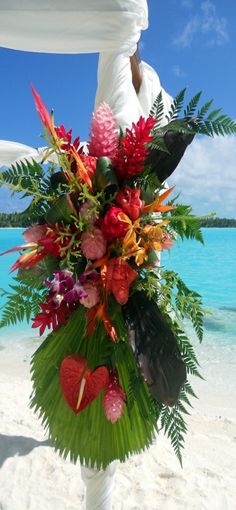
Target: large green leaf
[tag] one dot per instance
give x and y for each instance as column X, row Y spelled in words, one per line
column 88, row 435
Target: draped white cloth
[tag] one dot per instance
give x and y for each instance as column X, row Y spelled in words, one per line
column 72, row 26
column 112, row 28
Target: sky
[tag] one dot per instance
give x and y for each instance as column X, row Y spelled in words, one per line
column 190, row 43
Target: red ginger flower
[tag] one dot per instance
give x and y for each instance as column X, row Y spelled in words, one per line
column 112, row 226
column 132, row 150
column 104, row 133
column 129, row 200
column 114, row 399
column 119, row 277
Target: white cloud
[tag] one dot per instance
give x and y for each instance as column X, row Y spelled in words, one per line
column 188, row 33
column 213, row 25
column 178, row 71
column 187, row 3
column 206, row 176
column 206, row 23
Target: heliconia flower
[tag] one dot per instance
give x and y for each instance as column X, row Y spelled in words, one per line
column 93, row 295
column 114, row 399
column 27, row 260
column 166, row 241
column 133, row 148
column 119, row 277
column 156, row 205
column 43, row 113
column 93, row 244
column 112, row 225
column 129, row 200
column 104, row 133
column 90, row 163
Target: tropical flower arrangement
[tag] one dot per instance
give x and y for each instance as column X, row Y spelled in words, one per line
column 116, row 362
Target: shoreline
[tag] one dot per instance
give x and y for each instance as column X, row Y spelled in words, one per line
column 149, row 481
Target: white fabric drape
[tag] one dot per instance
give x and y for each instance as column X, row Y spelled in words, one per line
column 72, row 26
column 115, row 88
column 111, row 27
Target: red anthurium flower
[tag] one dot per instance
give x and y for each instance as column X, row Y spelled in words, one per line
column 119, row 277
column 81, row 386
column 129, row 200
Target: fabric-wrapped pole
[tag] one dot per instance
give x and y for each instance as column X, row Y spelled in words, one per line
column 99, row 485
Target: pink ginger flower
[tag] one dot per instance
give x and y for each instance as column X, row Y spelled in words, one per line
column 93, row 244
column 104, row 133
column 93, row 296
column 114, row 399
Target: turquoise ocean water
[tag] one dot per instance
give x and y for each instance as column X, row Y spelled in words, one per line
column 208, row 269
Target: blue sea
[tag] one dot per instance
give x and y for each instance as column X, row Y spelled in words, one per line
column 209, row 270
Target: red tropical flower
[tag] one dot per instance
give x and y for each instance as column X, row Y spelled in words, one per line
column 119, row 277
column 112, row 225
column 129, row 200
column 132, row 150
column 114, row 399
column 43, row 113
column 51, row 316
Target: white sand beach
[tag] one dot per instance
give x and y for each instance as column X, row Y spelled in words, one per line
column 34, row 477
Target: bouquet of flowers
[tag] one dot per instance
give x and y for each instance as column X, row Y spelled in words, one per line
column 114, row 368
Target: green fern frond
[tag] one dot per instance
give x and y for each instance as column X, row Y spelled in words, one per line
column 176, row 106
column 21, row 302
column 192, row 105
column 157, row 110
column 205, row 108
column 184, row 223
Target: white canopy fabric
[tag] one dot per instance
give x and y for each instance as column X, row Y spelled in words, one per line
column 111, row 27
column 72, row 26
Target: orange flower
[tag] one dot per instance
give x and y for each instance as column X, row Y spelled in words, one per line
column 157, row 206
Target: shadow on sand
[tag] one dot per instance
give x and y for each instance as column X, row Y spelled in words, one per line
column 11, row 446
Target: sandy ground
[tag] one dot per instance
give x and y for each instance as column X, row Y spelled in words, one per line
column 34, row 477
